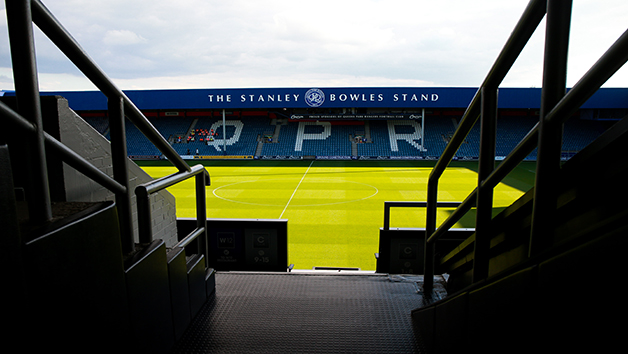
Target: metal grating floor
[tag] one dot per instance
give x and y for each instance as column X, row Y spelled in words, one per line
column 306, row 313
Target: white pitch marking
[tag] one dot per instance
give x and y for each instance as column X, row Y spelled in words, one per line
column 295, row 190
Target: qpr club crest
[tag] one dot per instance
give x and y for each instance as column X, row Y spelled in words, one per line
column 314, row 97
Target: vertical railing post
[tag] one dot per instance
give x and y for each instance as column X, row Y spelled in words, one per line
column 423, row 132
column 117, row 131
column 224, row 133
column 486, row 165
column 386, row 216
column 144, row 218
column 201, row 212
column 22, row 44
column 430, row 228
column 550, row 132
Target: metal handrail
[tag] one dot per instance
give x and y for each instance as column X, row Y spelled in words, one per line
column 567, row 105
column 21, row 40
column 67, row 155
column 26, row 12
column 55, row 31
column 575, row 98
column 407, row 204
column 144, row 191
column 523, row 31
column 533, row 14
column 529, row 21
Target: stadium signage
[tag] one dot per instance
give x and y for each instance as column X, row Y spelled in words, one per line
column 379, row 97
column 366, row 97
column 335, row 98
column 352, row 116
column 244, row 98
column 316, row 97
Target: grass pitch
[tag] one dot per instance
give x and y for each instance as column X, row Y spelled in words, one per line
column 335, row 208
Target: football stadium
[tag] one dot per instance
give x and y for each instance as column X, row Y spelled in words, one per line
column 316, row 219
column 327, row 164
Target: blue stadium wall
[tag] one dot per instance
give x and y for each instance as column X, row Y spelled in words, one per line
column 279, row 98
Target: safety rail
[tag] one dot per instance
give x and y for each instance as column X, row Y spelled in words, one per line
column 406, row 204
column 21, row 14
column 53, row 29
column 68, row 156
column 557, row 105
column 144, row 191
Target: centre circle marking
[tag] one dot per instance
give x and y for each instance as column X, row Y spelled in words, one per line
column 214, row 192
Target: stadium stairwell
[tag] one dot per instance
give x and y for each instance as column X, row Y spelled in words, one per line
column 144, row 300
column 84, row 274
column 87, row 275
column 512, row 284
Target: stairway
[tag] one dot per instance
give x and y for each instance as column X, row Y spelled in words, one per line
column 143, row 303
column 564, row 297
column 75, row 290
column 260, row 146
column 308, row 312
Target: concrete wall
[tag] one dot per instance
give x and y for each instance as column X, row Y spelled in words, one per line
column 79, row 136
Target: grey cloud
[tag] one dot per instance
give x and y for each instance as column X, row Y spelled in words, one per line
column 447, row 43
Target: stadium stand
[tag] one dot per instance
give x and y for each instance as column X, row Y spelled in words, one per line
column 283, row 145
column 319, row 139
column 99, row 122
column 579, row 133
column 311, row 139
column 255, row 133
column 379, row 143
column 438, row 131
column 370, row 139
column 241, row 136
column 137, row 144
column 171, row 127
column 511, row 130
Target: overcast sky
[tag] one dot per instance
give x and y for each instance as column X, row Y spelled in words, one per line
column 156, row 44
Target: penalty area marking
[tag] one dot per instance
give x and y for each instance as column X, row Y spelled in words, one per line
column 295, row 190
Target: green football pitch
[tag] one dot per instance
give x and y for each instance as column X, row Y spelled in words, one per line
column 335, row 209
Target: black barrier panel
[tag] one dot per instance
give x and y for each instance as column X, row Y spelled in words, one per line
column 244, row 244
column 402, row 250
